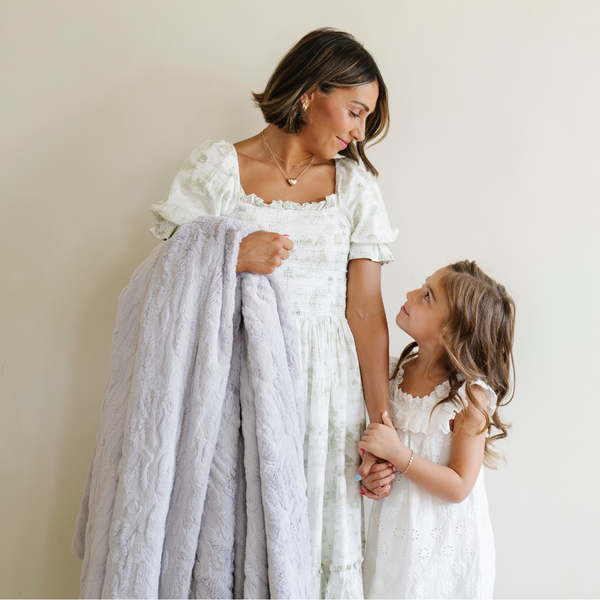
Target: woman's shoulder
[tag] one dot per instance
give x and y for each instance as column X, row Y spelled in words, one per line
column 352, row 177
column 213, row 154
column 210, row 170
column 361, row 201
column 207, row 183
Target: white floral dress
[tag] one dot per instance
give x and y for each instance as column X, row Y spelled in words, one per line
column 419, row 546
column 350, row 223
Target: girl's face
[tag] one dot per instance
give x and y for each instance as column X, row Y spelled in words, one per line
column 425, row 311
column 338, row 118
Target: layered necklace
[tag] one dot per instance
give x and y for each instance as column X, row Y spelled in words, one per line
column 290, row 180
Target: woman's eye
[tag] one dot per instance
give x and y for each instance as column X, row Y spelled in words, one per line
column 427, row 296
column 354, row 114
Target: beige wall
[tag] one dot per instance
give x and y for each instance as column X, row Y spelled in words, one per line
column 493, row 155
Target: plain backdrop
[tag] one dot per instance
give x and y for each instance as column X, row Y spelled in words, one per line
column 493, row 155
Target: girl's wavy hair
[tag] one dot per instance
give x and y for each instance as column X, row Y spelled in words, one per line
column 325, row 58
column 478, row 342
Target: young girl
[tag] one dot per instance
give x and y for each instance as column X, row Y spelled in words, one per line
column 431, row 538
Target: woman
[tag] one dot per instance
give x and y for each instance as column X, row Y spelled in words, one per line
column 323, row 223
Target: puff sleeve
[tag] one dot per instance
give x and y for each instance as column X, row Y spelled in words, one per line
column 206, row 185
column 361, row 202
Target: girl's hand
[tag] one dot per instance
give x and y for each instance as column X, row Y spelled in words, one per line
column 377, row 484
column 381, row 440
column 262, row 252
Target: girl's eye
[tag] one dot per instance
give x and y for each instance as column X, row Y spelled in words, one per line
column 427, row 296
column 354, row 114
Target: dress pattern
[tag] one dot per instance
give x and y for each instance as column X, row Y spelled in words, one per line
column 420, row 546
column 350, row 223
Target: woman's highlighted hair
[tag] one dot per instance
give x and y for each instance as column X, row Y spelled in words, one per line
column 328, row 59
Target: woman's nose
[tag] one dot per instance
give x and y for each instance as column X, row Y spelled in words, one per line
column 358, row 133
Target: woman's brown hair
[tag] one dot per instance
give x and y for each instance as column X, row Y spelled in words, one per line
column 325, row 58
column 478, row 340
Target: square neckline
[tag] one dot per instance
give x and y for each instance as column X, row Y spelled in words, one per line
column 260, row 201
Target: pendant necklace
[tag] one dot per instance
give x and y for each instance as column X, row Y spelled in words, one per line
column 290, row 180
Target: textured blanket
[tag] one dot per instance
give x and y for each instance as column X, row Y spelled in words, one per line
column 196, row 487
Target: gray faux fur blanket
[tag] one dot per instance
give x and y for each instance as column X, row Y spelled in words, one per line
column 196, row 487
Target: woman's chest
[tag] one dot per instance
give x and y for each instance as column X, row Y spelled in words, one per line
column 319, row 232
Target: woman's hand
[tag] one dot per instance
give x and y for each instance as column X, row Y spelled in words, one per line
column 381, row 440
column 368, row 460
column 262, row 252
column 377, row 484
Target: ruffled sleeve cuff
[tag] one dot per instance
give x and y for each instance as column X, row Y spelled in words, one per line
column 163, row 229
column 375, row 252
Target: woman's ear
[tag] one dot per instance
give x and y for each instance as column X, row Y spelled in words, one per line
column 308, row 97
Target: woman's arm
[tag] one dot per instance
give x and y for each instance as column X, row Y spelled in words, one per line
column 366, row 317
column 452, row 483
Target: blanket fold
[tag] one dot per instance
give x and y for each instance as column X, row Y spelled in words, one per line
column 196, row 486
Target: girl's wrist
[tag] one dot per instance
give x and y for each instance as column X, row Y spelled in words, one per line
column 402, row 458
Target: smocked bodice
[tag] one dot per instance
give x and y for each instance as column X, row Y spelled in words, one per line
column 315, row 272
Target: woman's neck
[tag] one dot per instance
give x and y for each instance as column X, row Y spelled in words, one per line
column 287, row 147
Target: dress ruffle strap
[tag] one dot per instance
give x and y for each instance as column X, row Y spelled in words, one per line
column 424, row 415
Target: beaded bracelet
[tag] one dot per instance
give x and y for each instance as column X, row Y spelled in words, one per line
column 412, row 455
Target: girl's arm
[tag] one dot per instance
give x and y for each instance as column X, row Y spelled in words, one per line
column 452, row 483
column 366, row 317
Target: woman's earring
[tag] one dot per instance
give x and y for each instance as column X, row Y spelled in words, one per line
column 305, row 105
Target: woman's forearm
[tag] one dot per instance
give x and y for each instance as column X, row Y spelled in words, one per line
column 372, row 346
column 366, row 316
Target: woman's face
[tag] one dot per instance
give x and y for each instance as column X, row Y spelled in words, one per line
column 338, row 118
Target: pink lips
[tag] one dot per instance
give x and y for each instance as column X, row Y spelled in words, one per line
column 342, row 142
column 403, row 310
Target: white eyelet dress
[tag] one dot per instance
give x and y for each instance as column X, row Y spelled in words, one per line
column 351, row 223
column 419, row 546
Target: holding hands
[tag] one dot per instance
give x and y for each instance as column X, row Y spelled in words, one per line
column 378, row 442
column 381, row 439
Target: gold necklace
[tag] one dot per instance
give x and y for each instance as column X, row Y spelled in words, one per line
column 262, row 133
column 290, row 180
